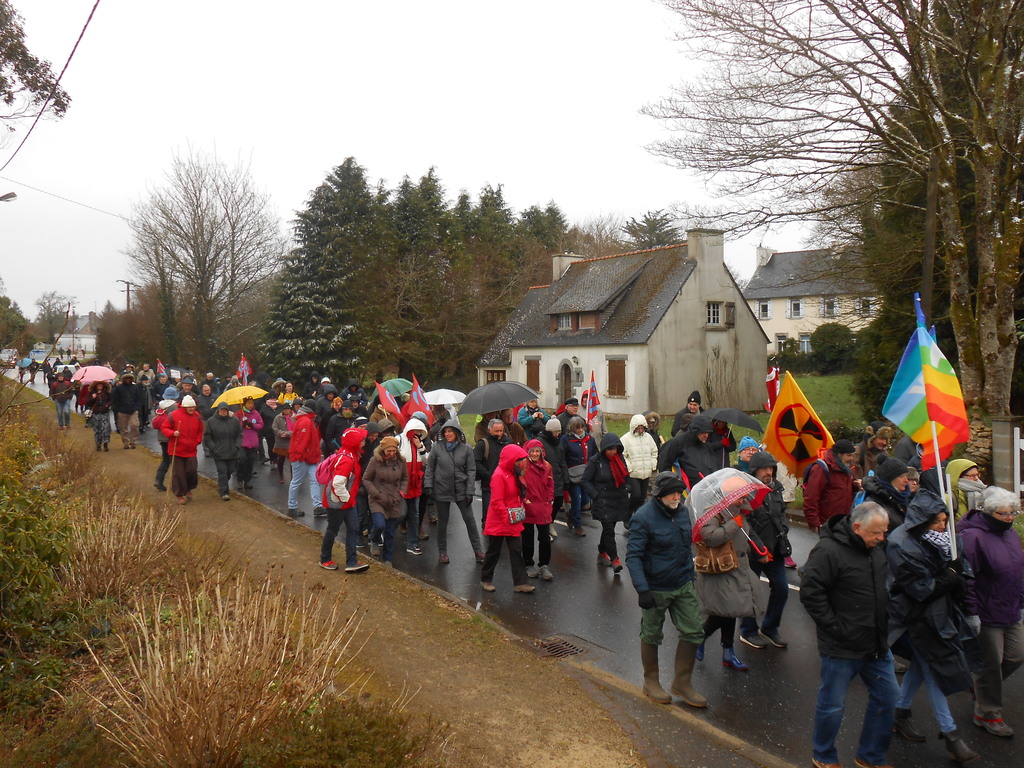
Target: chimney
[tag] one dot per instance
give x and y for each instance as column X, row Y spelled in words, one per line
column 561, row 262
column 706, row 245
column 764, row 255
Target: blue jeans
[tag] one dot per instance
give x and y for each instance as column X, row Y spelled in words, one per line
column 301, row 469
column 335, row 517
column 383, row 533
column 412, row 522
column 63, row 413
column 576, row 495
column 779, row 593
column 918, row 673
column 880, row 679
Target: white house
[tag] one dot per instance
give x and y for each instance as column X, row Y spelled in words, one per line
column 80, row 338
column 653, row 325
column 792, row 293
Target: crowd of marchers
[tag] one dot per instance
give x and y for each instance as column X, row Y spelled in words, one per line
column 889, row 588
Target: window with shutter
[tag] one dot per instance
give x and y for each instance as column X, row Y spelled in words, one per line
column 616, row 378
column 730, row 314
column 533, row 375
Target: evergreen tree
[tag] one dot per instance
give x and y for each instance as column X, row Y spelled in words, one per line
column 655, row 229
column 311, row 321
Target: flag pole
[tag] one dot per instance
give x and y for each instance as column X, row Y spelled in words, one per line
column 946, row 488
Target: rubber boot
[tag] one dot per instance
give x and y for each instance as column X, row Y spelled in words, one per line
column 729, row 659
column 958, row 751
column 652, row 685
column 682, row 684
column 905, row 727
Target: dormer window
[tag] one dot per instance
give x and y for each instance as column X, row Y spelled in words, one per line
column 565, row 322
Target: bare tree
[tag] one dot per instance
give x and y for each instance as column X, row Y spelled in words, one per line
column 54, row 310
column 206, row 243
column 797, row 95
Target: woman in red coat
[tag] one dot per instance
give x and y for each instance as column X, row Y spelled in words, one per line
column 184, row 431
column 539, row 482
column 506, row 495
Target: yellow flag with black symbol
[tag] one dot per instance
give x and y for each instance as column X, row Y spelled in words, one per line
column 795, row 434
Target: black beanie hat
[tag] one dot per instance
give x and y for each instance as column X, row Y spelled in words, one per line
column 888, row 468
column 843, row 446
column 694, row 397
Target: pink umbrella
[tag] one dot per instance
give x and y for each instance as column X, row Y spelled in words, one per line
column 92, row 373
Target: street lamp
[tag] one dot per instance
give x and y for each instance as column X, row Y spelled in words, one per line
column 8, row 197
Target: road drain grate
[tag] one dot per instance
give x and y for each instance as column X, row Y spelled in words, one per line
column 559, row 647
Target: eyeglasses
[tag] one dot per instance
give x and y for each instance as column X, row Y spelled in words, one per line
column 975, row 475
column 1007, row 512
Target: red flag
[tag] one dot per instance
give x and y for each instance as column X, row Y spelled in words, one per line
column 773, row 382
column 160, row 370
column 592, row 399
column 390, row 404
column 418, row 402
column 243, row 370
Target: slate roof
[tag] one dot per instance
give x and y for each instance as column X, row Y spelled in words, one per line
column 631, row 291
column 803, row 273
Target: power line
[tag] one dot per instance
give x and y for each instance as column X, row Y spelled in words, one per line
column 65, row 199
column 42, row 109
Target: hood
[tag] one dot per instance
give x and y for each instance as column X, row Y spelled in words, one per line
column 611, row 440
column 763, row 459
column 638, row 420
column 454, row 424
column 701, row 423
column 413, row 425
column 352, row 383
column 957, row 467
column 655, row 417
column 352, row 439
column 922, row 509
column 329, row 391
column 314, row 376
column 510, row 454
column 535, row 443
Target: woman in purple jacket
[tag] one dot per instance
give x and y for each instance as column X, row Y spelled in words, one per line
column 995, row 599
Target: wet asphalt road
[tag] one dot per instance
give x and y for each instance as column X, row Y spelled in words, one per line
column 771, row 706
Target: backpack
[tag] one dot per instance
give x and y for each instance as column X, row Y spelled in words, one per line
column 816, row 462
column 325, row 469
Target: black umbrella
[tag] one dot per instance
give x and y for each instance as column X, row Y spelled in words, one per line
column 497, row 396
column 733, row 416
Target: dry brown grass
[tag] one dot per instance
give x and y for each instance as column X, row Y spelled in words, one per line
column 215, row 671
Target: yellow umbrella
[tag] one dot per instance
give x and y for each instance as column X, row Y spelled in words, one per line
column 236, row 395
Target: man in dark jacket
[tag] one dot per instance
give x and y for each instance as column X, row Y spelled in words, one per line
column 687, row 413
column 222, row 441
column 769, row 526
column 698, row 449
column 312, row 387
column 660, row 562
column 486, row 455
column 126, row 402
column 889, row 487
column 844, row 592
column 828, row 489
column 357, row 396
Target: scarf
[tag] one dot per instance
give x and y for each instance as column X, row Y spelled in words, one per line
column 618, row 468
column 450, row 446
column 901, row 498
column 939, row 540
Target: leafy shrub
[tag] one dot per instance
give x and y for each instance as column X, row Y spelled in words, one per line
column 833, row 349
column 66, row 738
column 344, row 733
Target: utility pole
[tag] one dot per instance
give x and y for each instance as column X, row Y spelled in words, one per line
column 127, row 293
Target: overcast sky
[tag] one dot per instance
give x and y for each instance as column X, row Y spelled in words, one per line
column 540, row 97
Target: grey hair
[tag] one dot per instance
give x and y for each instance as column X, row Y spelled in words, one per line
column 576, row 422
column 866, row 510
column 995, row 498
column 492, row 422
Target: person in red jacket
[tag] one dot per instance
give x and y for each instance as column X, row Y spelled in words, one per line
column 339, row 500
column 304, row 454
column 828, row 490
column 539, row 482
column 506, row 495
column 184, row 431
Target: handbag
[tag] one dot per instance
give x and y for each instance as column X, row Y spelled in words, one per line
column 715, row 560
column 280, row 451
column 576, row 473
column 88, row 413
column 516, row 514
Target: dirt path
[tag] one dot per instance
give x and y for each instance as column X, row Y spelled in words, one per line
column 504, row 704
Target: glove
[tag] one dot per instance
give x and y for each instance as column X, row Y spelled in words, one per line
column 957, row 566
column 645, row 599
column 975, row 624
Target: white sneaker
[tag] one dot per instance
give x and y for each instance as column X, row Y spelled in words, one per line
column 546, row 574
column 532, row 571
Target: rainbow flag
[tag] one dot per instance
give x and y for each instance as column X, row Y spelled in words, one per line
column 925, row 390
column 795, row 434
